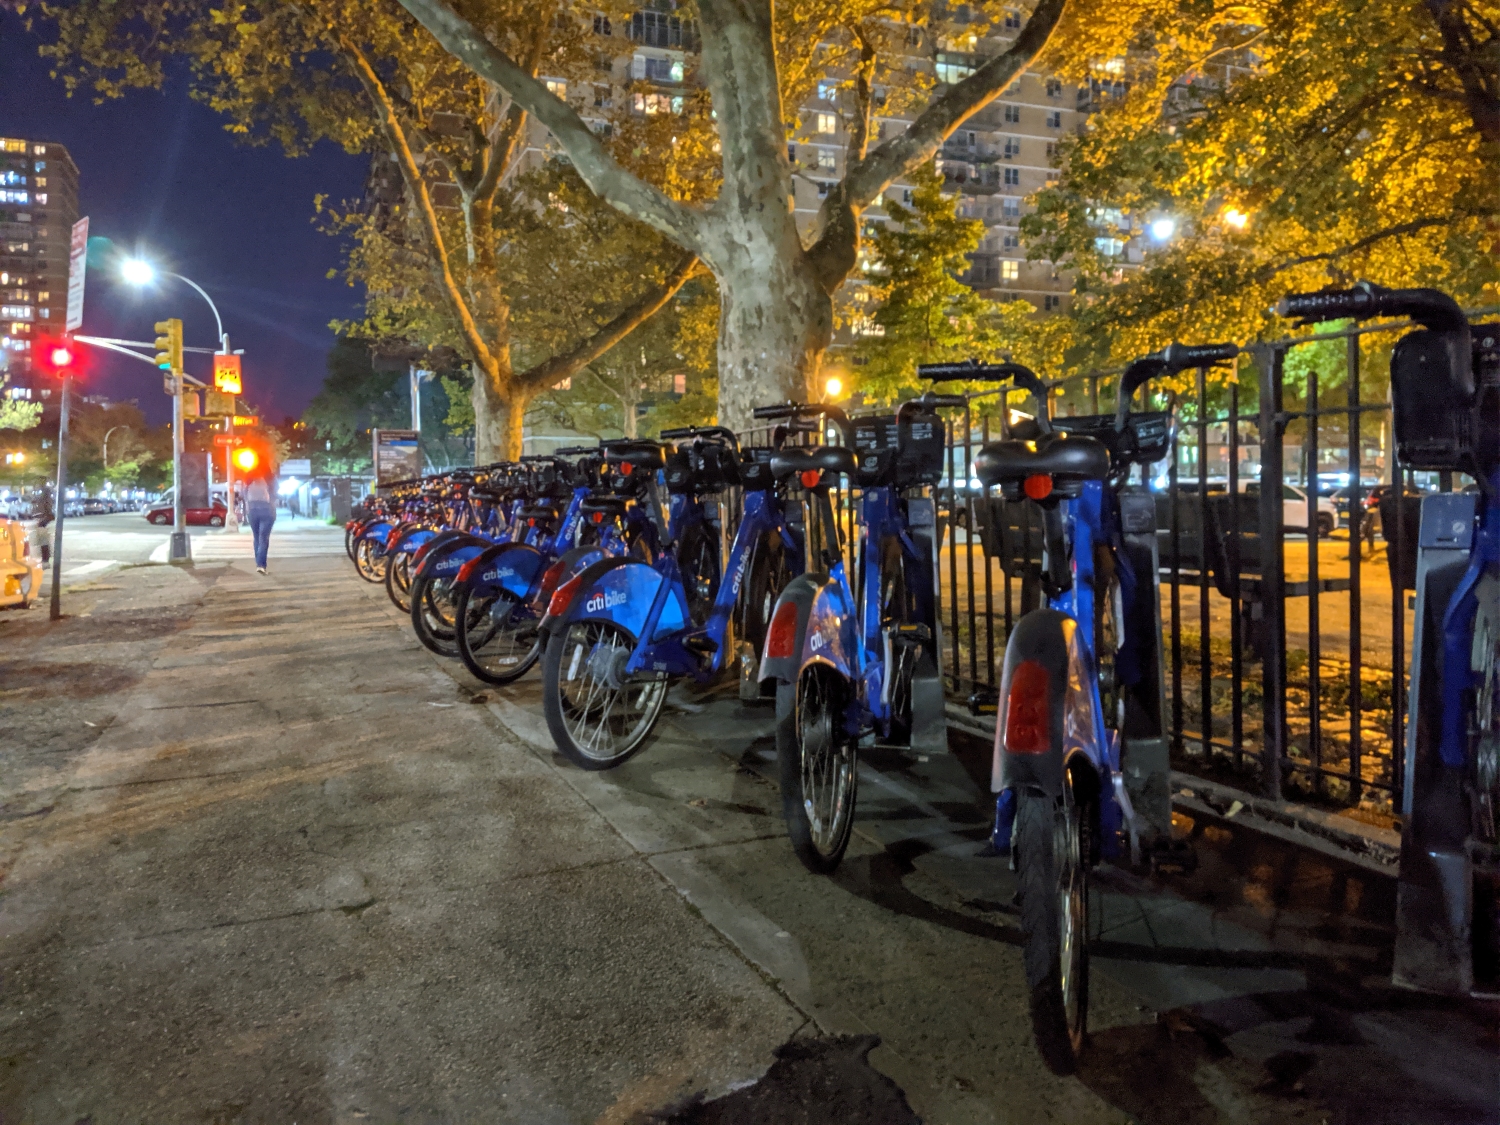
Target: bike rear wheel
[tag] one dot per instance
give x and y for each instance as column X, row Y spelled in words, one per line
column 370, row 561
column 597, row 716
column 818, row 768
column 495, row 643
column 432, row 610
column 1052, row 849
column 698, row 560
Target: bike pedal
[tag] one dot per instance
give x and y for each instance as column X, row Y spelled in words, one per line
column 914, row 633
column 700, row 644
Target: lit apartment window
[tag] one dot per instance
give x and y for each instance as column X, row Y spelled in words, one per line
column 39, row 150
column 827, row 160
column 41, row 199
column 13, row 196
column 44, row 296
column 1010, row 208
column 1012, row 115
column 1109, row 247
column 953, row 68
column 41, row 181
column 827, row 123
column 679, row 384
column 1010, row 270
column 1012, row 177
column 14, row 146
column 1054, row 119
column 22, row 311
column 46, row 314
column 826, row 91
column 557, row 88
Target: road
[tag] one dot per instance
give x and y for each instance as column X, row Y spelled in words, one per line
column 265, row 859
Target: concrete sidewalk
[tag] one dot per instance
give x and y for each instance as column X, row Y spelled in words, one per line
column 265, row 860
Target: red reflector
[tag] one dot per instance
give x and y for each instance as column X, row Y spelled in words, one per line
column 1039, row 486
column 466, row 571
column 626, row 468
column 421, row 552
column 782, row 637
column 810, row 478
column 563, row 598
column 1027, row 711
column 390, row 540
column 598, row 517
column 550, row 577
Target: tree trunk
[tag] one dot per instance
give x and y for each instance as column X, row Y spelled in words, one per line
column 775, row 322
column 490, row 419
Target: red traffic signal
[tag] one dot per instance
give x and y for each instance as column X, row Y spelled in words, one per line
column 58, row 357
column 245, row 459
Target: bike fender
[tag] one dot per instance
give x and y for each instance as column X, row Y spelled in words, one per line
column 413, row 539
column 437, row 543
column 828, row 634
column 449, row 559
column 784, row 664
column 1051, row 639
column 622, row 591
column 511, row 567
column 376, row 531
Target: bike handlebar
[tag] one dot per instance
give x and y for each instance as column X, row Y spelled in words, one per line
column 787, row 410
column 702, row 431
column 1431, row 308
column 576, row 451
column 1170, row 360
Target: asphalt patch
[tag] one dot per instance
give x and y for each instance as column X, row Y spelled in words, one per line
column 811, row 1081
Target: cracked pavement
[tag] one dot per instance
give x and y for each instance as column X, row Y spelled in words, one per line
column 264, row 859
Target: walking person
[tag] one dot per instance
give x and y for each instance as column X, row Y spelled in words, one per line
column 260, row 510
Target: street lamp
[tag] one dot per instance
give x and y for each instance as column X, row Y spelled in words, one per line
column 1163, row 229
column 105, row 453
column 139, row 272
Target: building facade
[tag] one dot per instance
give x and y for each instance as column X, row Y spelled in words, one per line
column 38, row 207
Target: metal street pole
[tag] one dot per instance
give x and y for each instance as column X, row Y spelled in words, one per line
column 181, row 550
column 231, row 520
column 59, row 500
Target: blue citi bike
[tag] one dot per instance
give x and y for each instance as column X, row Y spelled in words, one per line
column 1081, row 689
column 618, row 632
column 1445, row 398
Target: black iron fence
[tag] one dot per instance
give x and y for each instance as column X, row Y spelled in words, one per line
column 1287, row 539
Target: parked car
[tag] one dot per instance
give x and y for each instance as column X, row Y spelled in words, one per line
column 196, row 517
column 97, row 506
column 1294, row 508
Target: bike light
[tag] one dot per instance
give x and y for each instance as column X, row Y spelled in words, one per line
column 782, row 637
column 810, row 478
column 626, row 468
column 563, row 598
column 1026, row 710
column 550, row 577
column 1038, row 486
column 390, row 540
column 466, row 571
column 597, row 517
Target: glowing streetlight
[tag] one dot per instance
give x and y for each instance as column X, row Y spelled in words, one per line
column 137, row 271
column 834, row 387
column 1236, row 218
column 1163, row 229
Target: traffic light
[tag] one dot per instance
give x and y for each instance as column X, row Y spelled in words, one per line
column 169, row 344
column 246, row 459
column 57, row 357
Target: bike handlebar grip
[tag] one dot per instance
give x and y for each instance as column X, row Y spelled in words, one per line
column 1181, row 356
column 779, row 410
column 1431, row 308
column 576, row 451
column 944, row 400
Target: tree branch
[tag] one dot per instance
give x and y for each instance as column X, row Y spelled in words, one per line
column 604, row 176
column 390, row 122
column 552, row 371
column 1265, row 273
column 864, row 96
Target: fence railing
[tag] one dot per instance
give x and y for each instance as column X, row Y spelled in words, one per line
column 1284, row 608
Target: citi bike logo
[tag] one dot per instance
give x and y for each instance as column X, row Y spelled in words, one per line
column 739, row 573
column 496, row 575
column 604, row 600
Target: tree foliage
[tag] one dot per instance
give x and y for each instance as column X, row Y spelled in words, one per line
column 1294, row 144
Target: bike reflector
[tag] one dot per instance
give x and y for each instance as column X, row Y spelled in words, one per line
column 563, row 598
column 1027, row 725
column 466, row 571
column 390, row 540
column 810, row 478
column 597, row 517
column 550, row 577
column 626, row 468
column 1039, row 486
column 782, row 636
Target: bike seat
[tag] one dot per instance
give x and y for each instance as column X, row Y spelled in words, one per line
column 820, row 458
column 1058, row 455
column 638, row 455
column 538, row 512
column 487, row 494
column 609, row 505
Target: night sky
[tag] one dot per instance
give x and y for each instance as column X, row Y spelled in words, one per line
column 157, row 171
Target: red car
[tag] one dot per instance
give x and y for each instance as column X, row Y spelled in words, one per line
column 196, row 517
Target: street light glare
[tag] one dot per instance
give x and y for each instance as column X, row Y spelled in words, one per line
column 834, row 387
column 1236, row 218
column 137, row 271
column 1163, row 229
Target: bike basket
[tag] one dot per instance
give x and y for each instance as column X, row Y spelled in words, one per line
column 923, row 441
column 877, row 446
column 1434, row 418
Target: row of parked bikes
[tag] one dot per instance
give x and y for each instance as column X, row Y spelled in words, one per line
column 624, row 567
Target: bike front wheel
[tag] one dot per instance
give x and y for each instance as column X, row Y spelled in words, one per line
column 370, row 561
column 1052, row 849
column 818, row 768
column 598, row 716
column 398, row 580
column 432, row 609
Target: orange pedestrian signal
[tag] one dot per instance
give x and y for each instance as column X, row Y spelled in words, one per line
column 227, row 374
column 246, row 459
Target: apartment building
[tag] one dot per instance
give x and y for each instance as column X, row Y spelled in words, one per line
column 38, row 207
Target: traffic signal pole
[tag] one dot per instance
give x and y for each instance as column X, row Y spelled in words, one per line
column 181, row 550
column 59, row 499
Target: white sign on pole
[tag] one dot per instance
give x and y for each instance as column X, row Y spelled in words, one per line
column 296, row 467
column 77, row 264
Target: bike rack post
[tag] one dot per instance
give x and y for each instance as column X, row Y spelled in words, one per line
column 1269, row 362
